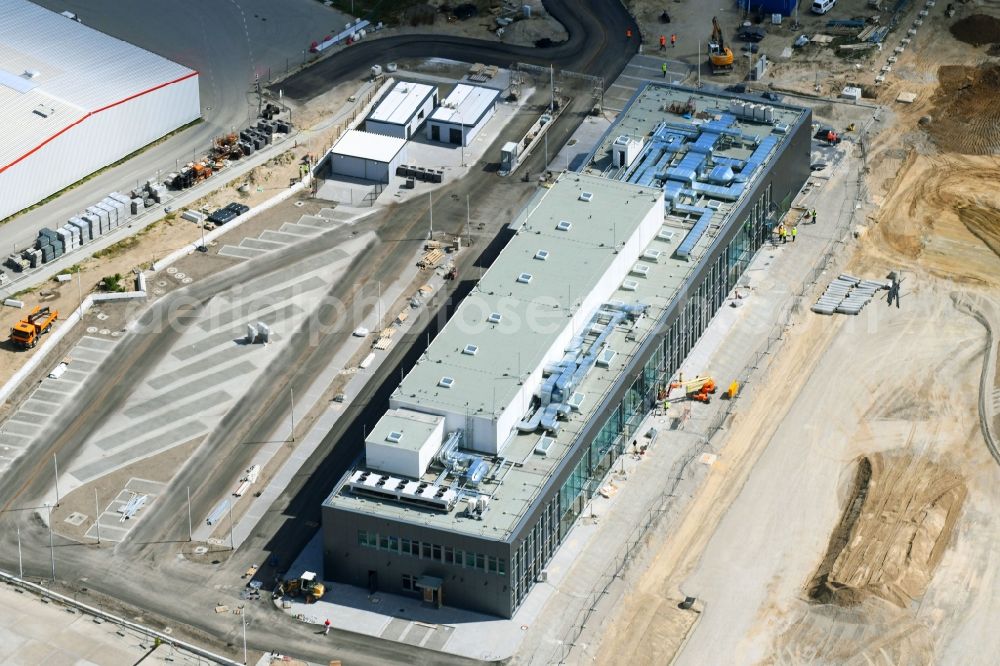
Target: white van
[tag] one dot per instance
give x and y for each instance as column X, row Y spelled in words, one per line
column 823, row 6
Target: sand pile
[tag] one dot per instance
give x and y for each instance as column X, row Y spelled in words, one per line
column 977, row 29
column 966, row 115
column 893, row 533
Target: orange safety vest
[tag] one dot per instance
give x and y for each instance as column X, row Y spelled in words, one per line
column 663, row 40
column 628, row 33
column 673, row 39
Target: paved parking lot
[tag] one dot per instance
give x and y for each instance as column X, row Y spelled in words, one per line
column 289, row 233
column 27, row 423
column 210, row 366
column 114, row 525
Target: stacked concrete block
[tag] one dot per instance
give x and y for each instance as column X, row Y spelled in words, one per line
column 157, row 192
column 117, row 210
column 66, row 238
column 34, row 258
column 123, row 204
column 74, row 236
column 95, row 223
column 136, row 205
column 84, row 228
column 112, row 212
column 85, row 224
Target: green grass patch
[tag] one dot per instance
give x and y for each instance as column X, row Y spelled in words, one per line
column 113, row 283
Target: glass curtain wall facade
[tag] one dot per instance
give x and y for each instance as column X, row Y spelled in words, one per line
column 695, row 308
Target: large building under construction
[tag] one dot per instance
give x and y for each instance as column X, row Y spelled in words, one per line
column 507, row 424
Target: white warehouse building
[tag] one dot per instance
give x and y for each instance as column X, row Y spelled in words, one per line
column 367, row 156
column 73, row 100
column 403, row 110
column 462, row 114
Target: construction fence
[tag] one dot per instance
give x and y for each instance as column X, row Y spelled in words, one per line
column 755, row 370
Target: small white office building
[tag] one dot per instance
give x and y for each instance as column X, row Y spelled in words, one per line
column 367, row 156
column 462, row 114
column 403, row 110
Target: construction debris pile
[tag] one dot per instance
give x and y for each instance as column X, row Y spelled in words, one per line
column 232, row 147
column 848, row 295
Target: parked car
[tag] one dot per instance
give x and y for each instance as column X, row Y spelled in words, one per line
column 750, row 48
column 222, row 216
column 770, row 96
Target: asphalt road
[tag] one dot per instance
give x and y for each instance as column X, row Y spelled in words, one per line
column 596, row 46
column 147, row 570
column 228, row 42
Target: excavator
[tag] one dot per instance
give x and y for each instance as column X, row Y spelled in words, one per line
column 699, row 388
column 720, row 55
column 306, row 585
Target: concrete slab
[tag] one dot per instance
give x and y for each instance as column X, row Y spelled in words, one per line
column 223, row 314
column 38, row 408
column 14, row 441
column 299, row 229
column 97, row 344
column 74, row 376
column 279, row 237
column 85, row 354
column 235, row 333
column 21, row 428
column 182, row 433
column 49, row 397
column 193, row 387
column 239, row 252
column 317, row 222
column 155, row 422
column 193, row 369
column 257, row 244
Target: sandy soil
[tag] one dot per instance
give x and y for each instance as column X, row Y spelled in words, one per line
column 911, row 569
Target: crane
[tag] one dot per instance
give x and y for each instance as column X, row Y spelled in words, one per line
column 720, row 55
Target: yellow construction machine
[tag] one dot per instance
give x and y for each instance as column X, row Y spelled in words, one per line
column 306, row 585
column 720, row 55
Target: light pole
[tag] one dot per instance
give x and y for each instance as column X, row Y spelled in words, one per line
column 97, row 515
column 52, row 551
column 20, row 562
column 55, row 464
column 244, row 620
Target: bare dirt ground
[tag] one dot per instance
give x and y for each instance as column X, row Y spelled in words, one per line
column 524, row 31
column 799, row 558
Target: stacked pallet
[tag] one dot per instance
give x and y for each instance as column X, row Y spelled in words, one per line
column 847, row 295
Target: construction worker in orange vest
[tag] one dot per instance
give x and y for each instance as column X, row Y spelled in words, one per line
column 673, row 41
column 628, row 33
column 663, row 42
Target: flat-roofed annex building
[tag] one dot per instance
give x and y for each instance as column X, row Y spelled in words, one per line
column 402, row 110
column 546, row 369
column 366, row 156
column 73, row 100
column 462, row 114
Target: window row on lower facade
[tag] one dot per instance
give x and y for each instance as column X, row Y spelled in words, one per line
column 426, row 550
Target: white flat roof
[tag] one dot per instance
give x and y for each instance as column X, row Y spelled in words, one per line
column 376, row 147
column 465, row 105
column 400, row 103
column 55, row 71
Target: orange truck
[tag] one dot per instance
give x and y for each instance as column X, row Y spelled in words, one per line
column 26, row 332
